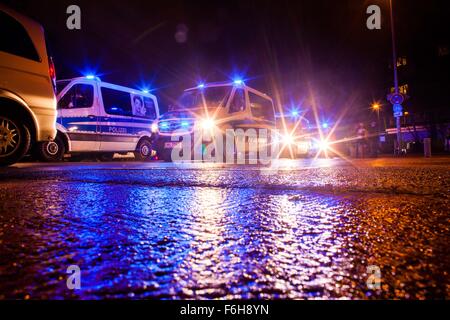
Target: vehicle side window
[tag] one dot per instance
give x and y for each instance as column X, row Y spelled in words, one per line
column 117, row 102
column 14, row 39
column 79, row 96
column 261, row 107
column 238, row 102
column 143, row 107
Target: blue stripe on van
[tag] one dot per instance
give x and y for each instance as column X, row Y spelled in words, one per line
column 122, row 129
column 67, row 122
column 110, row 119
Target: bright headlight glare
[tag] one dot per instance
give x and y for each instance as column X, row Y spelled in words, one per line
column 287, row 139
column 207, row 124
column 154, row 128
column 323, row 145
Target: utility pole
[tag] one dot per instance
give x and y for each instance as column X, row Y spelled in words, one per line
column 394, row 60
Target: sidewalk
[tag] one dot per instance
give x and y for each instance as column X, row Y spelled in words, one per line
column 406, row 161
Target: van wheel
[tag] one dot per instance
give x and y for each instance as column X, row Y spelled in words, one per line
column 51, row 151
column 143, row 151
column 15, row 140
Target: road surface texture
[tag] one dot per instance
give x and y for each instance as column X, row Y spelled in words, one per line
column 303, row 229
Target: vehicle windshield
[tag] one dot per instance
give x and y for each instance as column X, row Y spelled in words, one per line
column 175, row 115
column 214, row 97
column 293, row 122
column 60, row 85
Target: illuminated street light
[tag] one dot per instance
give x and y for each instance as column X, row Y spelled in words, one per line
column 377, row 108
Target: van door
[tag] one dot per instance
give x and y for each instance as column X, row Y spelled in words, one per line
column 78, row 113
column 262, row 109
column 118, row 133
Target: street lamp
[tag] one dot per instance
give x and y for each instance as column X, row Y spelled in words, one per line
column 377, row 107
column 394, row 60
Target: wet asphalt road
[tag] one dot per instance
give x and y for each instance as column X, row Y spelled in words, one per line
column 301, row 230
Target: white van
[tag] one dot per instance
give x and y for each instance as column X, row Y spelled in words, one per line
column 224, row 105
column 101, row 118
column 27, row 79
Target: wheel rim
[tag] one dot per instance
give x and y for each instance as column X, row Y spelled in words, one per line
column 52, row 148
column 145, row 150
column 9, row 137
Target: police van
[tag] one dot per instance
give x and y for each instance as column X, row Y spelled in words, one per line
column 101, row 118
column 211, row 106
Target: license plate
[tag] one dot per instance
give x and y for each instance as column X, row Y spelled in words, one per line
column 171, row 145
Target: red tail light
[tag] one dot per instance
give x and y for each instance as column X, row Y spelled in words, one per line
column 52, row 72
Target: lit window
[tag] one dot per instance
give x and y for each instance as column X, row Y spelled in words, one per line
column 403, row 89
column 402, row 61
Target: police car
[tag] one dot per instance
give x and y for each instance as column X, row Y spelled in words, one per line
column 101, row 118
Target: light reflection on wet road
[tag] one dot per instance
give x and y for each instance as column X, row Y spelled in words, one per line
column 224, row 232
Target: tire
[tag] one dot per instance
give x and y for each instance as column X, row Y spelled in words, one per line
column 51, row 151
column 143, row 150
column 15, row 140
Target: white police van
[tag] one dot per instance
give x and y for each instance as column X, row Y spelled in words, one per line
column 215, row 106
column 101, row 118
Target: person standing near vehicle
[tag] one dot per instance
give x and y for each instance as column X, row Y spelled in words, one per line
column 373, row 139
column 447, row 140
column 361, row 140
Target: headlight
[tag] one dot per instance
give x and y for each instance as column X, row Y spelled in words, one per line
column 163, row 125
column 207, row 124
column 154, row 128
column 287, row 139
column 323, row 145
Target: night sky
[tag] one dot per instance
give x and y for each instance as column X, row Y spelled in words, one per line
column 290, row 49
